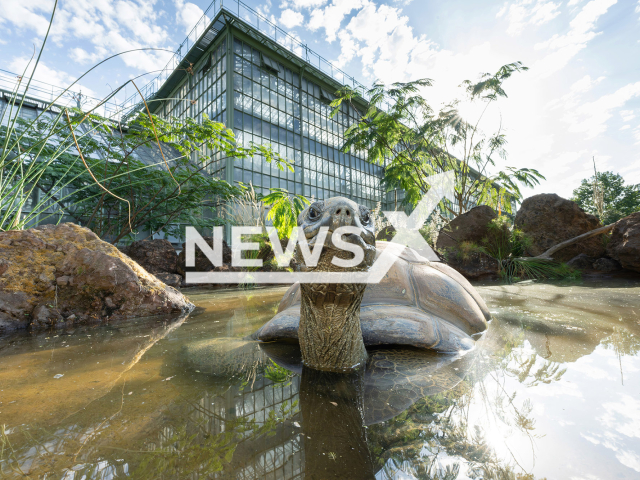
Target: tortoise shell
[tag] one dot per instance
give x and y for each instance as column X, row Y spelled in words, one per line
column 419, row 303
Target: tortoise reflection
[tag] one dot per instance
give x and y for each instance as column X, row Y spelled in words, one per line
column 334, row 408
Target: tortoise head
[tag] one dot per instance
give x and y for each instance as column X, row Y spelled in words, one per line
column 329, row 330
column 329, row 215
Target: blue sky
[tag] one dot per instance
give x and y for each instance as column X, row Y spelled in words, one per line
column 580, row 98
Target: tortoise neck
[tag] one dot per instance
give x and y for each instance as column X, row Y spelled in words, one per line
column 329, row 333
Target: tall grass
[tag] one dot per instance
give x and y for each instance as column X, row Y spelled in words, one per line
column 28, row 151
column 47, row 170
column 247, row 209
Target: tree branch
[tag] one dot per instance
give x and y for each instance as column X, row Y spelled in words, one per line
column 547, row 256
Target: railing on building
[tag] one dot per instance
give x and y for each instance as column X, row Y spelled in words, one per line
column 260, row 23
column 44, row 93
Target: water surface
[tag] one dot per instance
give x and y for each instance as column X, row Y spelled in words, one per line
column 551, row 391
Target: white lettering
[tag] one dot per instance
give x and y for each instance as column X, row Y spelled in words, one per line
column 238, row 247
column 193, row 238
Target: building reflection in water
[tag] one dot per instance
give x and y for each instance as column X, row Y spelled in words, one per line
column 258, row 415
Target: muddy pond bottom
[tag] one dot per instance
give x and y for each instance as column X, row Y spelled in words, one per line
column 552, row 390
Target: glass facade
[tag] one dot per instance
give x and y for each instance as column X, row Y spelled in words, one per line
column 282, row 104
column 204, row 93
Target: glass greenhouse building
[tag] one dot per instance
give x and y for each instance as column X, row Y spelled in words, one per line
column 259, row 84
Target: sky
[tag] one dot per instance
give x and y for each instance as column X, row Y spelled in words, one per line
column 579, row 100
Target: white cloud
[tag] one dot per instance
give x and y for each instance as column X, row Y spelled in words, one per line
column 625, row 127
column 560, row 388
column 576, row 92
column 264, row 9
column 621, row 420
column 629, row 459
column 290, row 18
column 332, row 16
column 623, row 416
column 298, row 4
column 46, row 74
column 591, row 117
column 565, row 47
column 585, row 84
column 188, row 14
column 80, row 55
column 627, row 115
column 524, row 12
column 109, row 26
column 26, row 14
column 587, row 367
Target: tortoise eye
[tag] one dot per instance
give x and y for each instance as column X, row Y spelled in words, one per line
column 313, row 213
column 366, row 217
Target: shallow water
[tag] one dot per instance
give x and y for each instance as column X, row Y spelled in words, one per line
column 551, row 391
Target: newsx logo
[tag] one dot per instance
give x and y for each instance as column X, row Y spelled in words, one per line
column 283, row 256
column 407, row 234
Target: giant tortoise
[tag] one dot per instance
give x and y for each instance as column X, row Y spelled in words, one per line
column 418, row 303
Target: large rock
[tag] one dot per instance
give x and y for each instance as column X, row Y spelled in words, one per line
column 155, row 256
column 172, row 279
column 468, row 227
column 624, row 245
column 606, row 265
column 549, row 219
column 474, row 265
column 65, row 272
column 581, row 262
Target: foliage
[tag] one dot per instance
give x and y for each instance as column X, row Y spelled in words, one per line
column 618, row 199
column 412, row 142
column 431, row 230
column 285, row 209
column 116, row 193
column 24, row 163
column 503, row 239
column 247, row 209
column 622, row 341
column 88, row 168
column 507, row 244
column 278, row 374
column 516, row 269
column 380, row 222
column 463, row 251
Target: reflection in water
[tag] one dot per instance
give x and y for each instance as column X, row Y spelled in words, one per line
column 335, row 440
column 550, row 391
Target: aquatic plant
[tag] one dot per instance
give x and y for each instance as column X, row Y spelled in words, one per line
column 247, row 209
